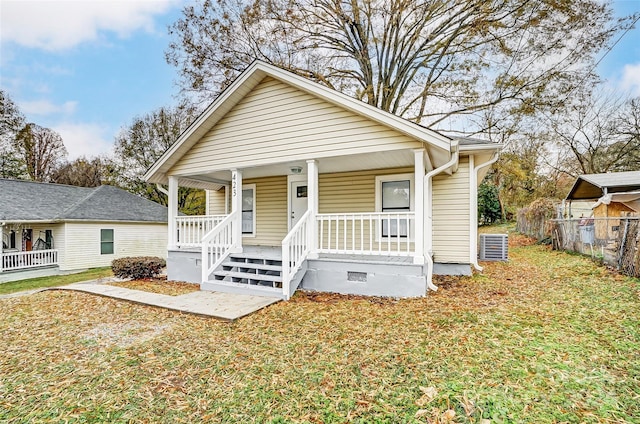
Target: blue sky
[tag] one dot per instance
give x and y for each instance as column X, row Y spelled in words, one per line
column 87, row 68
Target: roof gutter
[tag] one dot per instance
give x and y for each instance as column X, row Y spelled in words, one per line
column 455, row 155
column 473, row 211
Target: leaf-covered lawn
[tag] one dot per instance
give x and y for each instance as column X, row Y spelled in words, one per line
column 159, row 285
column 547, row 337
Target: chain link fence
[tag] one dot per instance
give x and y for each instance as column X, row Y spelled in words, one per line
column 614, row 240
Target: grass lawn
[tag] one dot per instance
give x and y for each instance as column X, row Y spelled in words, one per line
column 547, row 337
column 55, row 280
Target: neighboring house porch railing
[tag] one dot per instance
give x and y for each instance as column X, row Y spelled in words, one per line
column 191, row 229
column 12, row 261
column 374, row 233
column 217, row 244
column 295, row 249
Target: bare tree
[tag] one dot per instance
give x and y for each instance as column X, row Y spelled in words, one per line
column 432, row 61
column 139, row 145
column 84, row 172
column 42, row 149
column 597, row 133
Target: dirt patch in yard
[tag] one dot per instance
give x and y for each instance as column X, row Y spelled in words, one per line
column 159, row 285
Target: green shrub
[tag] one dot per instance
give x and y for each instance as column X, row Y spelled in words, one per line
column 138, row 267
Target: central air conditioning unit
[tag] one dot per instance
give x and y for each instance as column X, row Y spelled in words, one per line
column 494, row 247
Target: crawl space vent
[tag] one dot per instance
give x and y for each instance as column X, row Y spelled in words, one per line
column 358, row 277
column 494, row 247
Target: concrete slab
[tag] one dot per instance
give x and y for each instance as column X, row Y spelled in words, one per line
column 225, row 306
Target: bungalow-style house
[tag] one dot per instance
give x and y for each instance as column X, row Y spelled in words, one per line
column 308, row 187
column 51, row 228
column 616, row 195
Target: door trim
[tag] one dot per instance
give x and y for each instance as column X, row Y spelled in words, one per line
column 292, row 179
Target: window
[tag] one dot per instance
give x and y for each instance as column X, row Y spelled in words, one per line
column 106, row 242
column 48, row 239
column 12, row 240
column 394, row 193
column 248, row 209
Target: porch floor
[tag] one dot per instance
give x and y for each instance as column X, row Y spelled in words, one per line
column 223, row 306
column 275, row 252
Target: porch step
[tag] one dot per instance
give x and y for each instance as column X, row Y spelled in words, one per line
column 227, row 266
column 250, row 269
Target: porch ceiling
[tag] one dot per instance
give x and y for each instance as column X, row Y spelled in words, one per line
column 360, row 162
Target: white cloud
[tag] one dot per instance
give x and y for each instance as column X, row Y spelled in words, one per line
column 59, row 25
column 88, row 140
column 46, row 107
column 631, row 78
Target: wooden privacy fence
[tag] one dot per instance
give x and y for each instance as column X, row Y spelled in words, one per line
column 616, row 241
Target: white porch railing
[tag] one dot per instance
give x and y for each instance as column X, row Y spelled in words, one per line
column 374, row 233
column 217, row 244
column 295, row 249
column 191, row 229
column 22, row 260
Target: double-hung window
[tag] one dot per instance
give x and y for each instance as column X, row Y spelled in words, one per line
column 106, row 241
column 394, row 193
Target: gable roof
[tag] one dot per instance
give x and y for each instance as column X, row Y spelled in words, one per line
column 592, row 186
column 32, row 201
column 249, row 79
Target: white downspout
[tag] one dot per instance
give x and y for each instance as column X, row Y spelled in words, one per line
column 473, row 210
column 162, row 190
column 428, row 240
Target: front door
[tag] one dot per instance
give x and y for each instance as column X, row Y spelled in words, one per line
column 297, row 201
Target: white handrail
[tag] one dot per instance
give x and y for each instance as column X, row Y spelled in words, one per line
column 31, row 259
column 295, row 249
column 190, row 229
column 371, row 233
column 217, row 244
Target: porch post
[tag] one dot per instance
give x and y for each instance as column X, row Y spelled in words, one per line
column 1, row 245
column 236, row 207
column 312, row 205
column 419, row 170
column 173, row 213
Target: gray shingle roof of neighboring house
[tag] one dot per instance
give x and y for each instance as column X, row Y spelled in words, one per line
column 592, row 186
column 32, row 201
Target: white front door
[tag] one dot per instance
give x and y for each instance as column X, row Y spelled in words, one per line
column 297, row 201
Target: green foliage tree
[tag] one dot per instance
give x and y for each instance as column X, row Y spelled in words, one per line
column 433, row 62
column 489, row 210
column 140, row 145
column 11, row 121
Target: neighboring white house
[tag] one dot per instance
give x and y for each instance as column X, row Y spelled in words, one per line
column 48, row 228
column 309, row 187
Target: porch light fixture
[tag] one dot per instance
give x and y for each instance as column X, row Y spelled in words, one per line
column 296, row 170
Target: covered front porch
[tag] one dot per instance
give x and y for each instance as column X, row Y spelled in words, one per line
column 19, row 252
column 266, row 227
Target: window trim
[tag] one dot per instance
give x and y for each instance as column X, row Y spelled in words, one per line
column 378, row 199
column 250, row 187
column 112, row 241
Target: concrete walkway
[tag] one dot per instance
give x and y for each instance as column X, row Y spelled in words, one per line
column 224, row 306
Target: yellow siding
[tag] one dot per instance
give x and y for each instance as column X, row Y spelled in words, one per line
column 451, row 215
column 351, row 191
column 216, row 202
column 278, row 123
column 82, row 249
column 271, row 211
